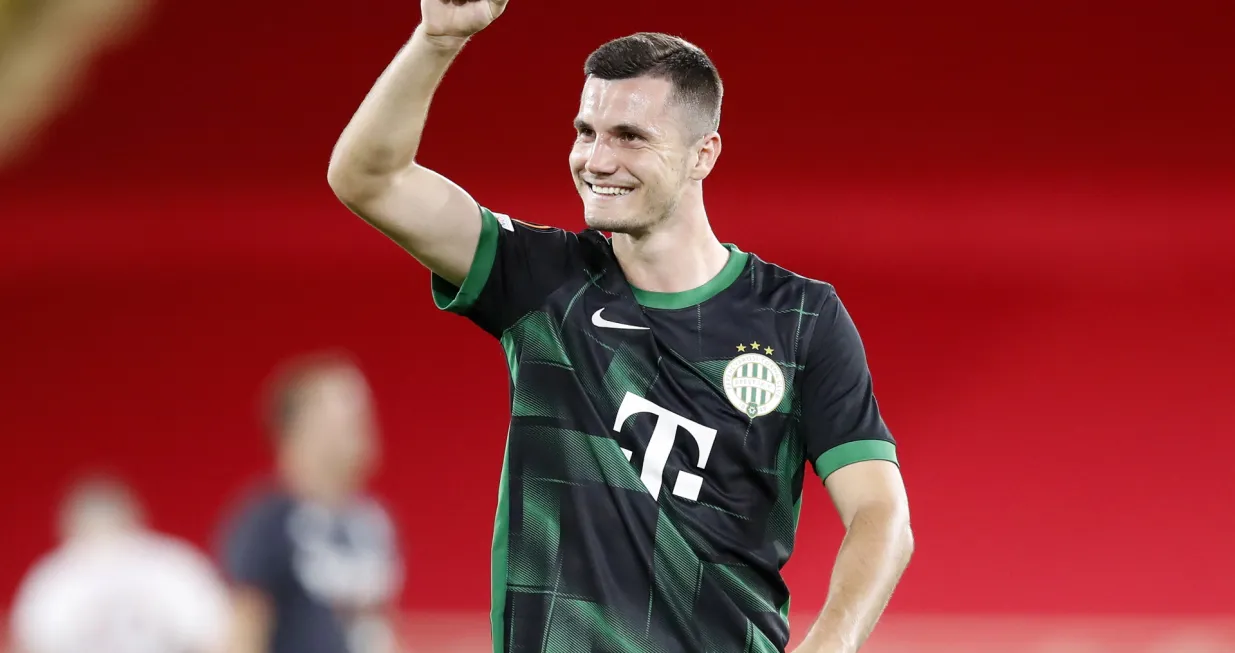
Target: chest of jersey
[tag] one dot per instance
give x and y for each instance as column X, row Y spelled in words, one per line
column 698, row 401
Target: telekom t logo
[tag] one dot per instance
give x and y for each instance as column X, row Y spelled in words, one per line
column 661, row 445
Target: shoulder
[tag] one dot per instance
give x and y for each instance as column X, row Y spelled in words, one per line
column 776, row 280
column 376, row 518
column 515, row 224
column 588, row 246
column 808, row 307
column 259, row 511
column 591, row 249
column 177, row 555
column 263, row 500
column 372, row 506
column 41, row 602
column 48, row 572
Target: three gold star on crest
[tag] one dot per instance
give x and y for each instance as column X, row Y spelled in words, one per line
column 754, row 346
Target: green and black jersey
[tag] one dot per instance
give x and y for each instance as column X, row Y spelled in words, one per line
column 658, row 442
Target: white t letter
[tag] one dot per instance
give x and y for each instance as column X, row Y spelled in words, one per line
column 661, row 445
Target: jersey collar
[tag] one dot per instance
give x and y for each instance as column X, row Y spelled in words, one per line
column 687, row 298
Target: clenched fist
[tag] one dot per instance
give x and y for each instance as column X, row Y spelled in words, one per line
column 458, row 19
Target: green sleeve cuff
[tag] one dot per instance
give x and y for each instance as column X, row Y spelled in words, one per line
column 854, row 452
column 457, row 300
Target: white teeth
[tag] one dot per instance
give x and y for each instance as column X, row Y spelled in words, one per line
column 609, row 190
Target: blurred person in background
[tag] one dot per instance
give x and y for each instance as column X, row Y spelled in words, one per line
column 312, row 557
column 115, row 586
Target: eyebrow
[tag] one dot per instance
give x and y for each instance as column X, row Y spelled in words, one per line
column 620, row 128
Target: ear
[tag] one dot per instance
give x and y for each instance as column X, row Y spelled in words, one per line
column 707, row 151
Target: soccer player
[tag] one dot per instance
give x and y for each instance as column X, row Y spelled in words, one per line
column 313, row 558
column 668, row 390
column 116, row 585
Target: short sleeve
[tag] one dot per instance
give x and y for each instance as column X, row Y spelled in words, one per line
column 515, row 268
column 841, row 419
column 255, row 548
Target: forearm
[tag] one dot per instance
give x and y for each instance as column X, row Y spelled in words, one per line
column 874, row 554
column 384, row 134
column 252, row 622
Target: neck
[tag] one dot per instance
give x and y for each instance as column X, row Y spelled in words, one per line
column 679, row 254
column 311, row 484
column 99, row 532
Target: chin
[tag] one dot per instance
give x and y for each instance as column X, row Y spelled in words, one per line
column 611, row 223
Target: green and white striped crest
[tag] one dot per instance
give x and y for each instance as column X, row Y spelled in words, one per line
column 754, row 384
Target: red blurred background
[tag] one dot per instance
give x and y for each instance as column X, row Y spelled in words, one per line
column 1029, row 211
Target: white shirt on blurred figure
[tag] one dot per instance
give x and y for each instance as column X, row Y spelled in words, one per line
column 123, row 592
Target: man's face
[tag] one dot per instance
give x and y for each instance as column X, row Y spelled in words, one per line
column 632, row 157
column 336, row 426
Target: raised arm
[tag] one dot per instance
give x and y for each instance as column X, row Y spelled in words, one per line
column 373, row 169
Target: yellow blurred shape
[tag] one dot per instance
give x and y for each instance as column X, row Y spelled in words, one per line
column 46, row 48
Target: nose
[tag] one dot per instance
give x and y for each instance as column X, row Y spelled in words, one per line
column 601, row 159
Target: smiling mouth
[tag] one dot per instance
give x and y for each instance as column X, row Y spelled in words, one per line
column 609, row 191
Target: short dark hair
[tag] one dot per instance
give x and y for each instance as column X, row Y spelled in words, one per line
column 291, row 380
column 696, row 82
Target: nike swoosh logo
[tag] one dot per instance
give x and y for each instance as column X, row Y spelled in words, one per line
column 606, row 324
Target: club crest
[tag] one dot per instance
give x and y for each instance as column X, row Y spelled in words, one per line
column 753, row 382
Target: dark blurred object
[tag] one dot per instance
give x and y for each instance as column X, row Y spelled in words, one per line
column 46, row 48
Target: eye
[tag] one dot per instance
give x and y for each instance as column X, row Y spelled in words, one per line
column 629, row 137
column 585, row 133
